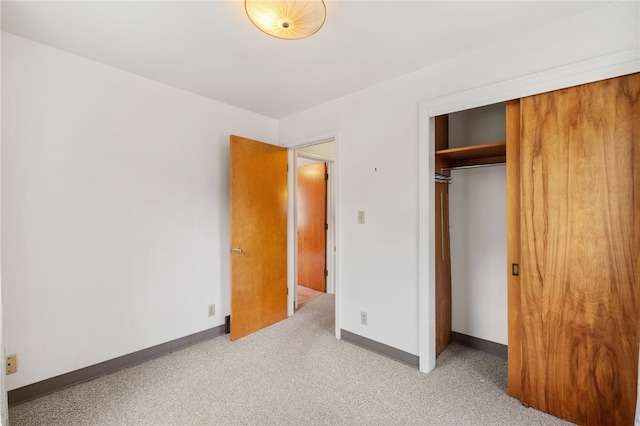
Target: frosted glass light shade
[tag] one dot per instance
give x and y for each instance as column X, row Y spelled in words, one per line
column 287, row 19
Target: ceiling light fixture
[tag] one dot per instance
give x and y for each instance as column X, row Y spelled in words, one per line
column 287, row 19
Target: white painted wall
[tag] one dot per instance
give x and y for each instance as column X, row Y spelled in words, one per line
column 114, row 210
column 478, row 231
column 306, row 162
column 378, row 128
column 325, row 150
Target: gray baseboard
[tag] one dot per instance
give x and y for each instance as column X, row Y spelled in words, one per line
column 381, row 348
column 480, row 344
column 53, row 384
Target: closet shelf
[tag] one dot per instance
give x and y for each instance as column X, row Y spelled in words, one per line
column 474, row 155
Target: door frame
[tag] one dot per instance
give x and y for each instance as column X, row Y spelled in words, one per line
column 333, row 233
column 599, row 68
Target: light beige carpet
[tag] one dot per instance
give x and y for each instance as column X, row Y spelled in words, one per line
column 292, row 373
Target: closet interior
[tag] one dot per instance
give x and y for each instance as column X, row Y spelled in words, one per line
column 470, row 227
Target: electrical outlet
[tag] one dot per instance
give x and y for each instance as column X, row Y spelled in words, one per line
column 363, row 318
column 361, row 216
column 12, row 364
column 212, row 310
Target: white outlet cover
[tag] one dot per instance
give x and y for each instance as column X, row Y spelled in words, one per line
column 361, row 216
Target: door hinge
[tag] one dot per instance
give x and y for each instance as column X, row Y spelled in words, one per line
column 326, row 272
column 326, row 226
column 326, row 176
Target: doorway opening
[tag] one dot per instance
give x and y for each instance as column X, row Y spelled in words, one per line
column 314, row 224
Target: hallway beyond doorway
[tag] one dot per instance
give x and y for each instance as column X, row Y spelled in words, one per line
column 306, row 293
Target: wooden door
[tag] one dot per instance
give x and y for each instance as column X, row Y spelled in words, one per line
column 514, row 350
column 258, row 235
column 443, row 268
column 312, row 226
column 580, row 265
column 443, row 252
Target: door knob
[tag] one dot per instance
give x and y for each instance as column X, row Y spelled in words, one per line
column 237, row 250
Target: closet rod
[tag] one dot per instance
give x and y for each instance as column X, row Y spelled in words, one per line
column 475, row 166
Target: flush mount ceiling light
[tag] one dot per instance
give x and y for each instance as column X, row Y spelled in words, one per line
column 287, row 19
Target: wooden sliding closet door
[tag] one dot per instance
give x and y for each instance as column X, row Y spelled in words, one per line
column 512, row 112
column 580, row 241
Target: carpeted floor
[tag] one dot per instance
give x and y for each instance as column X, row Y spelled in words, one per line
column 292, row 373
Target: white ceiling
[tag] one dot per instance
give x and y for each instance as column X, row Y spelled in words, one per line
column 210, row 47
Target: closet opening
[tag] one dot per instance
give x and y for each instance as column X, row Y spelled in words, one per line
column 471, row 229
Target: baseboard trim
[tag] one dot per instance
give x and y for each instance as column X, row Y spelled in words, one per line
column 480, row 344
column 381, row 348
column 44, row 387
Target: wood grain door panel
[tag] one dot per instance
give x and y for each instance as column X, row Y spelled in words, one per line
column 443, row 262
column 258, row 197
column 442, row 241
column 312, row 219
column 580, row 242
column 512, row 111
